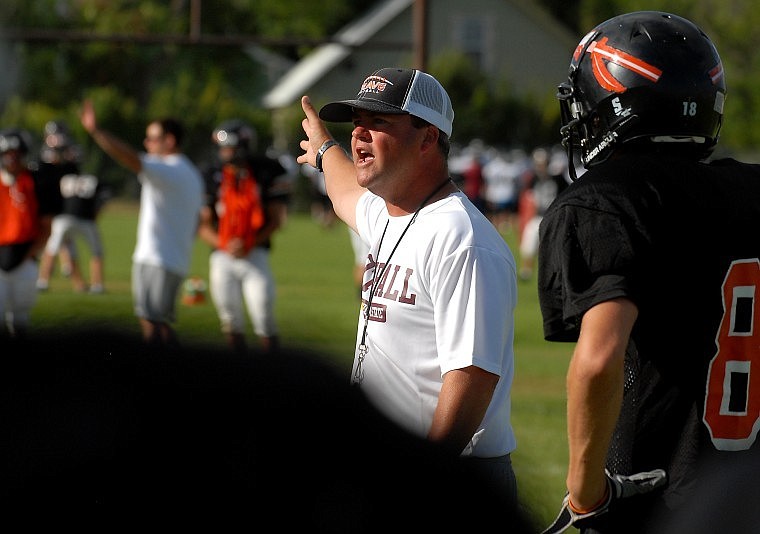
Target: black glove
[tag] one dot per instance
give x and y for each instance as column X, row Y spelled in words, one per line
column 620, row 487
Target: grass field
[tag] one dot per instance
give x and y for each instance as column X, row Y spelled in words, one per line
column 317, row 309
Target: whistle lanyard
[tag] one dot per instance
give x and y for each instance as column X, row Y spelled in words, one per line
column 377, row 276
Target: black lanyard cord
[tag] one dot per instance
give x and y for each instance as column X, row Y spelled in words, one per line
column 359, row 374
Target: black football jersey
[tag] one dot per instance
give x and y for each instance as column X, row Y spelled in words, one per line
column 681, row 239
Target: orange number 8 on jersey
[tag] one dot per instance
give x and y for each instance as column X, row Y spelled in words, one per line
column 732, row 404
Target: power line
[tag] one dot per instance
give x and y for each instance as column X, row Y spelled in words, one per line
column 37, row 35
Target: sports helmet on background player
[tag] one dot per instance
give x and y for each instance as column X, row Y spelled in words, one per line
column 646, row 76
column 14, row 139
column 235, row 133
column 58, row 144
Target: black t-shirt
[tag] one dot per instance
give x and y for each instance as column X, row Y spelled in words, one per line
column 82, row 195
column 48, row 176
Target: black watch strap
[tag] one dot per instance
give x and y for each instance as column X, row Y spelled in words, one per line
column 321, row 152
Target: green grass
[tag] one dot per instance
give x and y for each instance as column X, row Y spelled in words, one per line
column 317, row 309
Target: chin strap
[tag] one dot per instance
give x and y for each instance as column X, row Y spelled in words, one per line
column 567, row 142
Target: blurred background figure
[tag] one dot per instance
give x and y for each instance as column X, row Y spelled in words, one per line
column 80, row 198
column 58, row 156
column 542, row 182
column 466, row 169
column 501, row 173
column 247, row 195
column 171, row 196
column 26, row 212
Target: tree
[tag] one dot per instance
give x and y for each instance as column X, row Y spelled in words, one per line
column 133, row 76
column 134, row 80
column 493, row 112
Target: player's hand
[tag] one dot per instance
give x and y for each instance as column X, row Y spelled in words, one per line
column 620, row 487
column 236, row 247
column 316, row 133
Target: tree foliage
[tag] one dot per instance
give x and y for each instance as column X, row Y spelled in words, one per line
column 490, row 110
column 134, row 79
column 133, row 82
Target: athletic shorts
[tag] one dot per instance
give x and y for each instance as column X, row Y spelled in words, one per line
column 68, row 227
column 154, row 292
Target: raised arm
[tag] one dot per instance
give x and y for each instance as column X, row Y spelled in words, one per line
column 111, row 145
column 340, row 174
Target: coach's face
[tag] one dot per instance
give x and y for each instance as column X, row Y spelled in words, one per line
column 384, row 148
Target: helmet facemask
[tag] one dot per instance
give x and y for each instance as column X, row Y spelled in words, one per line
column 586, row 132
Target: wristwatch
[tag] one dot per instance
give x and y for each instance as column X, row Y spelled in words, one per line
column 321, row 152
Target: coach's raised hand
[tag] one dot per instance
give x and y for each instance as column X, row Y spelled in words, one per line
column 326, row 154
column 316, row 133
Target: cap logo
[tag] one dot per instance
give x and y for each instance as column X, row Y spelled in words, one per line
column 601, row 54
column 374, row 84
column 396, row 91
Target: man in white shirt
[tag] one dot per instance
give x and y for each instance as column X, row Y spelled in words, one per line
column 170, row 202
column 435, row 336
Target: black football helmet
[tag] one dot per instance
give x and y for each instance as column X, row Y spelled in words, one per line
column 648, row 77
column 14, row 139
column 59, row 145
column 235, row 133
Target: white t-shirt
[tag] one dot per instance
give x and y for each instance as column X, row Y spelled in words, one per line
column 502, row 180
column 170, row 201
column 446, row 301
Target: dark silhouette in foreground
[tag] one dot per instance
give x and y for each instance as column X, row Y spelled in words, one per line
column 99, row 428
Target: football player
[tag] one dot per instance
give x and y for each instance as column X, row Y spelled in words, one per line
column 650, row 262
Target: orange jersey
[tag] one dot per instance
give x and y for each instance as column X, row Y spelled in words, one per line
column 19, row 208
column 241, row 213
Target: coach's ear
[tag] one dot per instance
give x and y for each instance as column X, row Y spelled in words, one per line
column 430, row 142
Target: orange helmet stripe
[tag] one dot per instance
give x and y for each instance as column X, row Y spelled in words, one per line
column 601, row 54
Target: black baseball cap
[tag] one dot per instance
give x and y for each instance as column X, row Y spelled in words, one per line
column 397, row 91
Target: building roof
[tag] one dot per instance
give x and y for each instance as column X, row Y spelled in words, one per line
column 312, row 67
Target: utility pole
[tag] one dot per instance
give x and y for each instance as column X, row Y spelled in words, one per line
column 420, row 25
column 195, row 20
